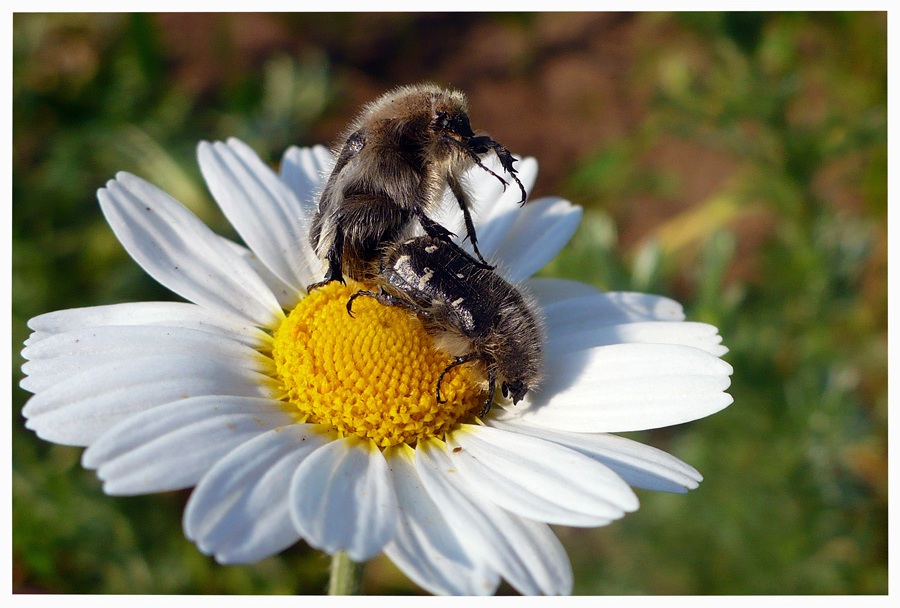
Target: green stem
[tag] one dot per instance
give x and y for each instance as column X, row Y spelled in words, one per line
column 346, row 575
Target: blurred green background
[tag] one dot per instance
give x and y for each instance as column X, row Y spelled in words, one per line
column 736, row 162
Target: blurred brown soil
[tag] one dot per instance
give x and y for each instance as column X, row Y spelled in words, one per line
column 556, row 86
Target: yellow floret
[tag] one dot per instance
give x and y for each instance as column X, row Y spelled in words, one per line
column 372, row 375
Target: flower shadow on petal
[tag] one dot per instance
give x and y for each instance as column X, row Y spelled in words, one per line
column 558, row 378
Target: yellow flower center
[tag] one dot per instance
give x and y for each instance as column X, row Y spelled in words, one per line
column 372, row 375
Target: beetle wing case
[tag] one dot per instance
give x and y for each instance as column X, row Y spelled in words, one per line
column 473, row 313
column 443, row 279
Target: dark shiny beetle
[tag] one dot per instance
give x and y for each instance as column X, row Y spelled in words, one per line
column 397, row 158
column 467, row 308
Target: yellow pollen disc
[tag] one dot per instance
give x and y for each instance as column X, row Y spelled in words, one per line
column 372, row 375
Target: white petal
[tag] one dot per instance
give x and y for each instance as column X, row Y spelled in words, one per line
column 483, row 189
column 287, row 295
column 492, row 205
column 526, row 553
column 342, row 499
column 180, row 252
column 240, row 511
column 78, row 410
column 261, row 208
column 627, row 387
column 574, row 315
column 570, row 336
column 171, row 446
column 305, row 171
column 172, row 314
column 63, row 355
column 486, row 191
column 449, row 215
column 541, row 230
column 538, row 479
column 548, row 291
column 494, row 210
column 425, row 548
column 641, row 466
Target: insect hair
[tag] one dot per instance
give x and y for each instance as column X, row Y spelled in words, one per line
column 473, row 314
column 395, row 161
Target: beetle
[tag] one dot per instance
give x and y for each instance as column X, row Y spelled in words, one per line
column 472, row 312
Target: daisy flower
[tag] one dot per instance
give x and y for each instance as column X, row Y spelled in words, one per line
column 294, row 421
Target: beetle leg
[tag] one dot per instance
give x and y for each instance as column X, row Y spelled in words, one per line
column 492, row 386
column 386, row 299
column 456, row 362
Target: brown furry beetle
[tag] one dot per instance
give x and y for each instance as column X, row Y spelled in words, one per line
column 396, row 160
column 468, row 308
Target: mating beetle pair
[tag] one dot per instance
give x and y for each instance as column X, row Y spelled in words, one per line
column 396, row 160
